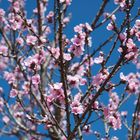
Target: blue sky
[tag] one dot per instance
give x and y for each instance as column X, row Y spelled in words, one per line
column 84, row 11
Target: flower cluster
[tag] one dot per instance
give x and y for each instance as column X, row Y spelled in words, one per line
column 76, row 106
column 99, row 79
column 31, row 40
column 2, row 14
column 122, row 3
column 34, row 62
column 78, row 42
column 56, row 92
column 112, row 116
column 133, row 82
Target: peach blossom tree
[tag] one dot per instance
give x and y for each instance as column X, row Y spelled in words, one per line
column 60, row 87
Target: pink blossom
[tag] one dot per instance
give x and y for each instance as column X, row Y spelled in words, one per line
column 104, row 138
column 9, row 77
column 43, row 39
column 120, row 2
column 114, row 138
column 67, row 56
column 73, row 80
column 11, row 17
column 35, row 10
column 138, row 65
column 132, row 50
column 83, row 81
column 86, row 59
column 87, row 129
column 13, row 93
column 48, row 125
column 29, row 22
column 36, row 79
column 111, row 115
column 78, row 40
column 47, row 30
column 113, row 102
column 122, row 77
column 2, row 14
column 32, row 63
column 98, row 79
column 20, row 41
column 76, row 108
column 56, row 90
column 15, row 21
column 61, row 1
column 112, row 17
column 124, row 113
column 16, row 6
column 55, row 52
column 18, row 114
column 66, row 20
column 64, row 138
column 120, row 50
column 133, row 83
column 130, row 44
column 68, row 2
column 77, row 97
column 130, row 55
column 137, row 23
column 50, row 16
column 3, row 63
column 31, row 40
column 115, row 121
column 133, row 31
column 40, row 57
column 88, row 27
column 6, row 119
column 77, row 50
column 57, row 85
column 78, row 44
column 106, row 111
column 122, row 36
column 95, row 105
column 26, row 87
column 110, row 27
column 80, row 70
column 78, row 28
column 3, row 50
column 50, row 98
column 98, row 60
column 31, row 125
column 16, row 25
